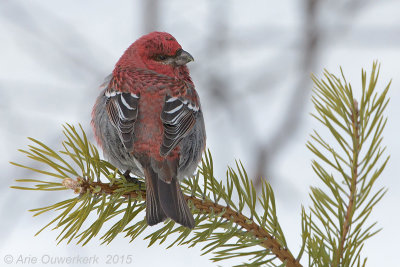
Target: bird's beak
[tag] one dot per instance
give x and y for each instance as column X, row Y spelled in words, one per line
column 183, row 57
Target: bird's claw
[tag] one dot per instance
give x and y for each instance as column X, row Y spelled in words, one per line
column 132, row 180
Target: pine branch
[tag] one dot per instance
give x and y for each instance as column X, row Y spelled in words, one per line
column 339, row 228
column 224, row 228
column 203, row 206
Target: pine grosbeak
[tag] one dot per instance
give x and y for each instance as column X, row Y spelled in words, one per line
column 148, row 121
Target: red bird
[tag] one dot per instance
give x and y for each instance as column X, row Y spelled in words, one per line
column 148, row 121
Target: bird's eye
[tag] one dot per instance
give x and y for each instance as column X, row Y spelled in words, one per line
column 160, row 57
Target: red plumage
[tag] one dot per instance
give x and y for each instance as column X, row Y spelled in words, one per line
column 148, row 120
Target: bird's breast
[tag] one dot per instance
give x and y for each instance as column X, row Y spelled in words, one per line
column 149, row 127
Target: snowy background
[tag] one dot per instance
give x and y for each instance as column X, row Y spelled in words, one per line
column 252, row 68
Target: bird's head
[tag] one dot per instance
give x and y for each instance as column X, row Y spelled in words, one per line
column 157, row 51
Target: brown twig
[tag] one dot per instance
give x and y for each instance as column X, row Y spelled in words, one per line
column 206, row 206
column 353, row 189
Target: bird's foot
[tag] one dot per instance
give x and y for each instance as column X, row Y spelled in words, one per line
column 133, row 180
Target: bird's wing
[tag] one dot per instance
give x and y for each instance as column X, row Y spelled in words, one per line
column 122, row 109
column 178, row 117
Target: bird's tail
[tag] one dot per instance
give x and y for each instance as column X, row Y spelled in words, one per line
column 154, row 212
column 166, row 200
